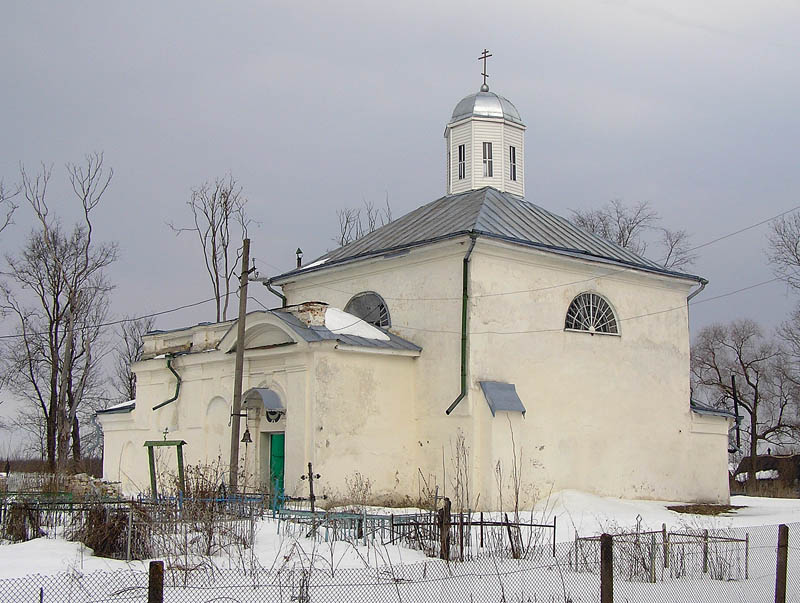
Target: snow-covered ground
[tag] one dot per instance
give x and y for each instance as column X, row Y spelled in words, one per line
column 589, row 515
column 343, row 564
column 575, row 511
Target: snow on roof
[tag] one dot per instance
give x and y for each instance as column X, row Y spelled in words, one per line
column 316, row 263
column 121, row 407
column 341, row 322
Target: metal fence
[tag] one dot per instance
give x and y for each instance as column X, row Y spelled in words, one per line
column 543, row 577
column 456, row 537
column 652, row 556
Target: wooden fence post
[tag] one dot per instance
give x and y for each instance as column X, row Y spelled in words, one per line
column 461, row 536
column 780, row 570
column 130, row 533
column 705, row 551
column 155, row 583
column 665, row 542
column 606, row 568
column 444, row 530
column 514, row 552
column 653, row 558
column 747, row 555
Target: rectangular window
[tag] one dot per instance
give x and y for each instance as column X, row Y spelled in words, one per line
column 512, row 162
column 487, row 160
column 462, row 162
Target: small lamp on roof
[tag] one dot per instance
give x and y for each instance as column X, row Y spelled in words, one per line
column 299, row 254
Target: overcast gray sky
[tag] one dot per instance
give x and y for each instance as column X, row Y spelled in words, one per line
column 318, row 105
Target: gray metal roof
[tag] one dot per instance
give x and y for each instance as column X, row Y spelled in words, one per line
column 312, row 334
column 502, row 396
column 702, row 409
column 486, row 104
column 490, row 213
column 262, row 397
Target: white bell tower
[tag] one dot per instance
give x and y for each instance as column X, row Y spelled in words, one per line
column 485, row 143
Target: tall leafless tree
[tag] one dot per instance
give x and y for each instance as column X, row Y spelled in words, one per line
column 57, row 292
column 636, row 227
column 355, row 222
column 766, row 381
column 784, row 248
column 130, row 344
column 7, row 205
column 220, row 222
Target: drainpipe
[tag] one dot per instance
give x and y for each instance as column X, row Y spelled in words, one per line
column 703, row 283
column 268, row 285
column 177, row 385
column 464, row 337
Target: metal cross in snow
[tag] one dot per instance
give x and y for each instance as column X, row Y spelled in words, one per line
column 484, row 55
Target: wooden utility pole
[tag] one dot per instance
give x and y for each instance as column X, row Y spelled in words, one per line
column 237, row 376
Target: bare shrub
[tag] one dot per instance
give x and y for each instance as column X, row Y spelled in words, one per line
column 460, row 457
column 358, row 492
column 105, row 531
column 23, row 523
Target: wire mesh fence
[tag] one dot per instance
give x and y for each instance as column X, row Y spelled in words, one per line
column 689, row 566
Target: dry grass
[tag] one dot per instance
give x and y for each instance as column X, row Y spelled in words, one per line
column 772, row 488
column 705, row 509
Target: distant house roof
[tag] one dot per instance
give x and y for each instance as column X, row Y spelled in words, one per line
column 314, row 333
column 502, row 396
column 490, row 213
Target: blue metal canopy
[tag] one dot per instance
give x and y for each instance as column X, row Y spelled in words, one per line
column 502, row 396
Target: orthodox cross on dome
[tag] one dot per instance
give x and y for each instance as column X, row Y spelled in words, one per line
column 484, row 55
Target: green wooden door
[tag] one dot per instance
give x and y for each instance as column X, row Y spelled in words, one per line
column 276, row 453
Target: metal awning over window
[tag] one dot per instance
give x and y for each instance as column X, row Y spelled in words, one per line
column 261, row 397
column 502, row 396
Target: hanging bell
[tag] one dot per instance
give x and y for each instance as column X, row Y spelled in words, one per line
column 246, row 439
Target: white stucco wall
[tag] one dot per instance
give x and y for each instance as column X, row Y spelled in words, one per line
column 339, row 406
column 606, row 414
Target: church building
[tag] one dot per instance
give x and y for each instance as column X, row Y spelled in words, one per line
column 478, row 341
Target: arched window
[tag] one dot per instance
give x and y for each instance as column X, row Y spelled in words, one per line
column 592, row 313
column 369, row 307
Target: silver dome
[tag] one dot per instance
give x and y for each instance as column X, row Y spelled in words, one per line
column 486, row 104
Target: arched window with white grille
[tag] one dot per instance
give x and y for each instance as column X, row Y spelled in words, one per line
column 591, row 313
column 369, row 307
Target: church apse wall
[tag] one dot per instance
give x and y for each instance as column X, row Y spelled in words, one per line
column 606, row 413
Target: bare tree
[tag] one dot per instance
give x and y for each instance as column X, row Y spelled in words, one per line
column 784, row 248
column 128, row 350
column 766, row 383
column 57, row 293
column 355, row 222
column 7, row 205
column 219, row 221
column 630, row 227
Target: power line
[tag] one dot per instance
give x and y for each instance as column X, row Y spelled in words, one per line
column 123, row 320
column 746, row 228
column 205, row 301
